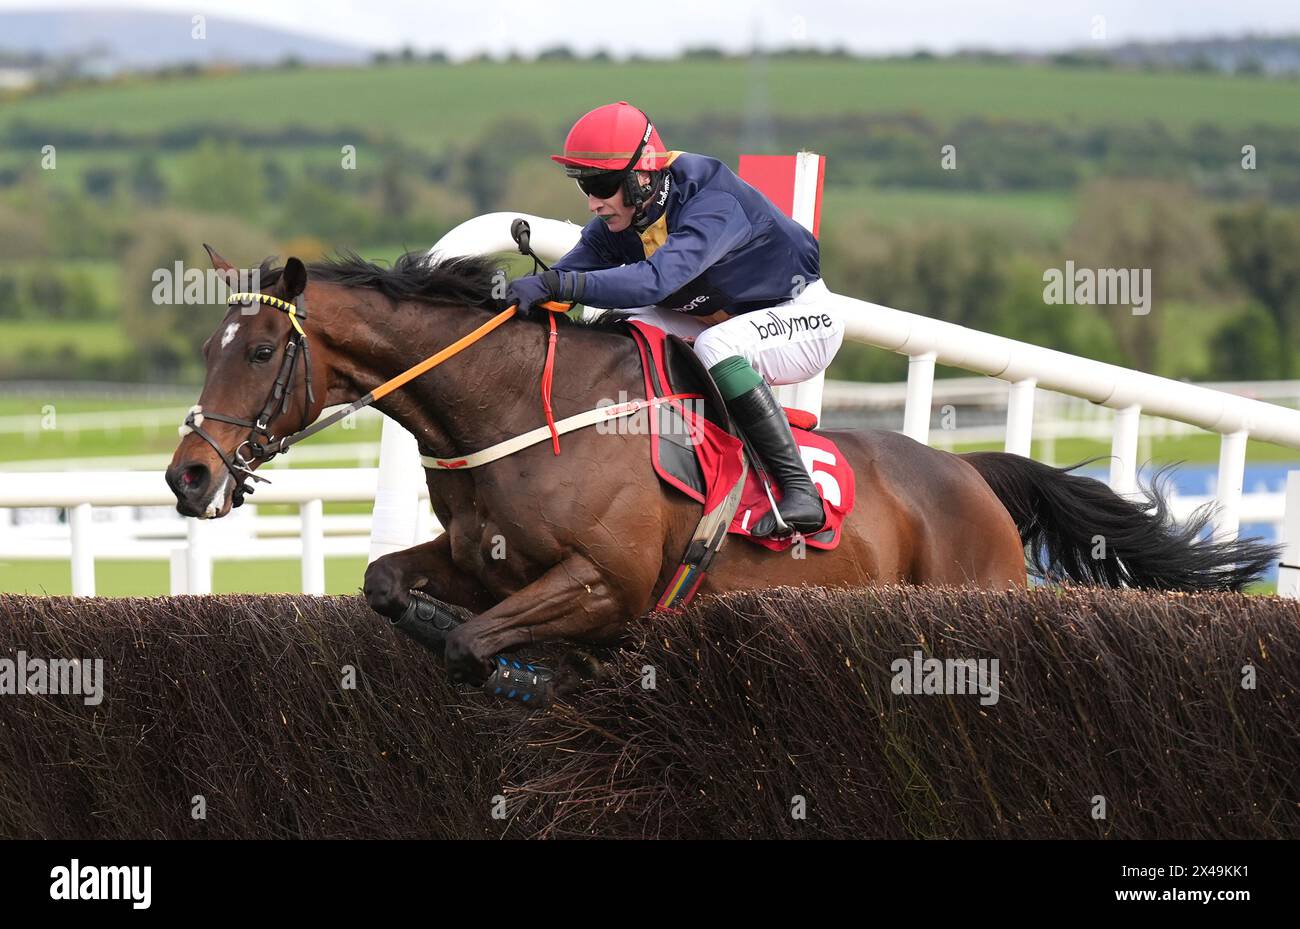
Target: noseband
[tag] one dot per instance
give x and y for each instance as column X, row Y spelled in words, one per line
column 262, row 444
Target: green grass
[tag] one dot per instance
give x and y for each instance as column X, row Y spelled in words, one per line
column 149, row 578
column 1044, row 215
column 1193, row 449
column 103, row 271
column 28, row 404
column 90, row 338
column 95, row 443
column 57, row 443
column 432, row 105
column 173, row 165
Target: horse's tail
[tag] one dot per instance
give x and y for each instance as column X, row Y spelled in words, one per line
column 1078, row 528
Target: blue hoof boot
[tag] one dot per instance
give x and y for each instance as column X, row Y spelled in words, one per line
column 516, row 680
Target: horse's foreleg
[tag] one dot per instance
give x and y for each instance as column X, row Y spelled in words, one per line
column 428, row 568
column 573, row 600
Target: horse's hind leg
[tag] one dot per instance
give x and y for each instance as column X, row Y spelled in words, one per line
column 972, row 541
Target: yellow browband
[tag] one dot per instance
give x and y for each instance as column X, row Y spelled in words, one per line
column 276, row 302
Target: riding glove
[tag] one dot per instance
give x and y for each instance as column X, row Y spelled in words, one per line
column 528, row 291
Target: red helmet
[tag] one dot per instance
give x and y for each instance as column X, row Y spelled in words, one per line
column 614, row 137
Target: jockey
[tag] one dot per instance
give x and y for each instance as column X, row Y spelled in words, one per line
column 681, row 242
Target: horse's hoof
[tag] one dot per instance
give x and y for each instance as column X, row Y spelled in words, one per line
column 463, row 665
column 520, row 681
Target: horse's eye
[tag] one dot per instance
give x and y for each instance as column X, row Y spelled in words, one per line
column 263, row 353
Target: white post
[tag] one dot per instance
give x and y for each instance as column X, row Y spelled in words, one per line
column 397, row 496
column 806, row 395
column 1232, row 474
column 920, row 390
column 1288, row 576
column 313, row 547
column 177, row 578
column 1020, row 417
column 1123, row 448
column 83, row 550
column 198, row 561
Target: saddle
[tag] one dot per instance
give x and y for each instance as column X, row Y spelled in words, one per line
column 692, row 440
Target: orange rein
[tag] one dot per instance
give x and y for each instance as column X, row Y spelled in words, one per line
column 469, row 339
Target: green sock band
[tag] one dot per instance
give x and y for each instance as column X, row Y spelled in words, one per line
column 734, row 376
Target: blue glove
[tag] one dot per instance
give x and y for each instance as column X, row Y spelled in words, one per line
column 532, row 289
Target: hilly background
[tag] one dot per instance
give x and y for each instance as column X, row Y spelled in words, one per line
column 1060, row 160
column 124, row 40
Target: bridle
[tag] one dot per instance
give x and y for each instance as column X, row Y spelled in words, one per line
column 268, row 446
column 262, row 443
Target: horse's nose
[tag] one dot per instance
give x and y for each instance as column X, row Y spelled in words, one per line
column 188, row 482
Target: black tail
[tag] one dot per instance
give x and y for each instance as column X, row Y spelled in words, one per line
column 1078, row 528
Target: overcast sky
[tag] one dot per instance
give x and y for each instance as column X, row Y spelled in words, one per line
column 463, row 28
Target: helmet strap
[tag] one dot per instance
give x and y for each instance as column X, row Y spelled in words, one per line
column 646, row 194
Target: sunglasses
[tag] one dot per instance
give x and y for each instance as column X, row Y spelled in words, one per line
column 602, row 186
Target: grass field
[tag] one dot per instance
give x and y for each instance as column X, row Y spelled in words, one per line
column 1042, row 215
column 1193, row 449
column 430, row 104
column 142, row 440
column 149, row 578
column 89, row 338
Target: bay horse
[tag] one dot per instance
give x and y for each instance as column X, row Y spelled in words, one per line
column 540, row 547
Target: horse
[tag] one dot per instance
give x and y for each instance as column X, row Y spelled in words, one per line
column 538, row 546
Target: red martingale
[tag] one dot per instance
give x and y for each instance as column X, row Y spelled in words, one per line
column 702, row 461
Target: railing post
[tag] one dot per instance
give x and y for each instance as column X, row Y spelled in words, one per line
column 178, row 582
column 1232, row 474
column 1020, row 417
column 393, row 525
column 1123, row 449
column 198, row 559
column 1288, row 576
column 920, row 390
column 81, row 531
column 313, row 547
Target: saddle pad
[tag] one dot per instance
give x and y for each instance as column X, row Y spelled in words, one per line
column 702, row 461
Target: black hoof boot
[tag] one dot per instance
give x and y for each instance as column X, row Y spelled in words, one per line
column 520, row 681
column 428, row 621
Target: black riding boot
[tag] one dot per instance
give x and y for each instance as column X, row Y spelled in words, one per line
column 763, row 422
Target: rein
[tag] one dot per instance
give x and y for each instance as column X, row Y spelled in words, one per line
column 263, row 445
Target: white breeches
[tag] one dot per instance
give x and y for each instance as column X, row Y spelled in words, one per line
column 786, row 344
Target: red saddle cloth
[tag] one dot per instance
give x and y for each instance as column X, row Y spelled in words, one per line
column 702, row 460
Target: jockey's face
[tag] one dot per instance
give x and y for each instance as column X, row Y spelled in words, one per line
column 613, row 211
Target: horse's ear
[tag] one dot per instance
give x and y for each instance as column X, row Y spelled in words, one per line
column 229, row 273
column 293, row 278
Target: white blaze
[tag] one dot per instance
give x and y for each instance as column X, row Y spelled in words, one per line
column 229, row 334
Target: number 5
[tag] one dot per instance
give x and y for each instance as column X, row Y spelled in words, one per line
column 825, row 481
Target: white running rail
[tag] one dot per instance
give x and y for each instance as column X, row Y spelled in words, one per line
column 206, row 540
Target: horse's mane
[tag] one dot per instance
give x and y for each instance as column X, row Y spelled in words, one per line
column 460, row 280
